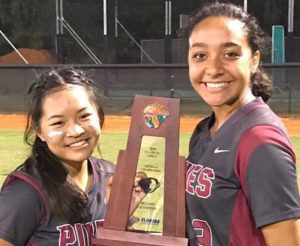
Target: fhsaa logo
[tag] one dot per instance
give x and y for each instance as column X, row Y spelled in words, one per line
column 155, row 115
column 150, row 221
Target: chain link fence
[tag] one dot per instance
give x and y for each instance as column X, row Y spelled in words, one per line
column 119, row 83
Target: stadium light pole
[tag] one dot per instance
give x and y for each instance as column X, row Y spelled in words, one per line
column 59, row 31
column 289, row 51
column 291, row 17
column 116, row 18
column 168, row 30
column 109, row 24
column 290, row 31
column 245, row 5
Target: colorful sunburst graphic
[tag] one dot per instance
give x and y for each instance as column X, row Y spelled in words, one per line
column 155, row 115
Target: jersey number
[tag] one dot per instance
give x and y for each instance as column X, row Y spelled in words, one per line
column 203, row 232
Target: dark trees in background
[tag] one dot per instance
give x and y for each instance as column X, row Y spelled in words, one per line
column 27, row 24
column 32, row 24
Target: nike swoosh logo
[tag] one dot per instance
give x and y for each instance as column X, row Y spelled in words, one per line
column 218, row 150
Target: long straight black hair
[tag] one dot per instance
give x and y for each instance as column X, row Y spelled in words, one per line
column 65, row 199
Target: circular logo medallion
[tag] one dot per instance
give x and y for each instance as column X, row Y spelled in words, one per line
column 155, row 115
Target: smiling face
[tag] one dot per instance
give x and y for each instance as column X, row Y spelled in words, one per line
column 221, row 61
column 70, row 124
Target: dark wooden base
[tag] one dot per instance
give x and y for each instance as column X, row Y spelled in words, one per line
column 108, row 237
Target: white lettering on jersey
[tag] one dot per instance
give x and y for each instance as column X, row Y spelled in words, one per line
column 199, row 180
column 81, row 234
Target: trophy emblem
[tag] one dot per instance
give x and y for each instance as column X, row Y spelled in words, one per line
column 155, row 115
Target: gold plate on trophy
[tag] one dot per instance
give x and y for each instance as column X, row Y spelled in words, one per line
column 148, row 217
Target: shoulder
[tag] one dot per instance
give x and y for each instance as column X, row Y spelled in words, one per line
column 21, row 186
column 18, row 186
column 264, row 146
column 258, row 124
column 258, row 113
column 267, row 140
column 265, row 134
column 20, row 211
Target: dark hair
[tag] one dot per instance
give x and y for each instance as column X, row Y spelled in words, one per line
column 261, row 82
column 65, row 199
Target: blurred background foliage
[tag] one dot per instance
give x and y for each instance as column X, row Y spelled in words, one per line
column 32, row 24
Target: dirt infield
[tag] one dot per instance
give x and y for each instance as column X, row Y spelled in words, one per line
column 121, row 123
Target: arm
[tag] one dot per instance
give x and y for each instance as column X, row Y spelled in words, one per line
column 283, row 233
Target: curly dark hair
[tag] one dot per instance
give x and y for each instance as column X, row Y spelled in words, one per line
column 65, row 199
column 261, row 82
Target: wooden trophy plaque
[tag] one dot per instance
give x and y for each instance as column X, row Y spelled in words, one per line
column 153, row 137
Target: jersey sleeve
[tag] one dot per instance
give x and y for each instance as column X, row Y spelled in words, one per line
column 268, row 177
column 20, row 211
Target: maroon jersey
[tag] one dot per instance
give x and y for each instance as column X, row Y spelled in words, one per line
column 242, row 178
column 21, row 213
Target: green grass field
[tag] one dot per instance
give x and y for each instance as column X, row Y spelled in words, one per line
column 13, row 150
